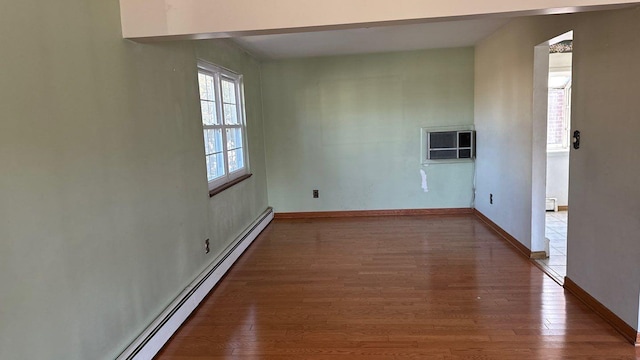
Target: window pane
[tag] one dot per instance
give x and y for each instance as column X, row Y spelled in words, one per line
column 236, row 159
column 202, row 82
column 234, row 138
column 212, row 141
column 208, row 109
column 230, row 114
column 555, row 117
column 206, row 86
column 228, row 92
column 215, row 166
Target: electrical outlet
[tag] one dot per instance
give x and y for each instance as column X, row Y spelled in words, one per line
column 316, row 194
column 206, row 246
column 490, row 198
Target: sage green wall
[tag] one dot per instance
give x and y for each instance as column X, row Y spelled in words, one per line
column 103, row 196
column 349, row 126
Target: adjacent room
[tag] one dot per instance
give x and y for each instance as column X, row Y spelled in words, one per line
column 301, row 182
column 558, row 120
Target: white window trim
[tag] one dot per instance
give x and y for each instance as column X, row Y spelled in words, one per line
column 218, row 73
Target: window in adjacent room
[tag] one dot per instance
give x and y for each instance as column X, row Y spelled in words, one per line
column 559, row 111
column 221, row 103
column 559, row 101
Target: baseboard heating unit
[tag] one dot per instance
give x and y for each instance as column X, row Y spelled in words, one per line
column 153, row 338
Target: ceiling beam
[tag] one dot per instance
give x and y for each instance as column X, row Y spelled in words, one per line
column 199, row 19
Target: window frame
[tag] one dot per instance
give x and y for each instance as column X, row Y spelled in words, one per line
column 219, row 74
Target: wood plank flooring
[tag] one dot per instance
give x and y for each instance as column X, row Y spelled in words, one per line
column 421, row 287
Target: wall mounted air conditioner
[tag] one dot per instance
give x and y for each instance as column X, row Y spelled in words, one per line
column 448, row 144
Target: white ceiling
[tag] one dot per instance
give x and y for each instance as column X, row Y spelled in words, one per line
column 429, row 35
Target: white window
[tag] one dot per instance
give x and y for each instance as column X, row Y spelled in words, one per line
column 559, row 111
column 221, row 103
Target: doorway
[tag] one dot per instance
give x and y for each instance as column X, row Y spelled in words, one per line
column 554, row 61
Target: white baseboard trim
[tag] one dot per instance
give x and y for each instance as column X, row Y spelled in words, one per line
column 153, row 338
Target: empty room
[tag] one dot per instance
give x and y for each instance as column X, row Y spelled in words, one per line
column 318, row 180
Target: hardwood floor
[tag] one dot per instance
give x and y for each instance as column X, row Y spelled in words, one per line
column 422, row 287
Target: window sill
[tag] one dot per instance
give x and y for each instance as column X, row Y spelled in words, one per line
column 558, row 151
column 225, row 186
